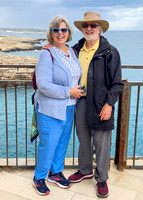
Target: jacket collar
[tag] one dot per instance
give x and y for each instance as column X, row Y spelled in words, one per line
column 103, row 45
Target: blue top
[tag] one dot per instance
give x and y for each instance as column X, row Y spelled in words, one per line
column 54, row 79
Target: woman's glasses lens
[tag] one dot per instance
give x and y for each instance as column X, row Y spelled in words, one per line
column 64, row 30
column 56, row 30
column 85, row 25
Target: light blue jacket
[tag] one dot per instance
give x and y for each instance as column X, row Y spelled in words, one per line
column 53, row 81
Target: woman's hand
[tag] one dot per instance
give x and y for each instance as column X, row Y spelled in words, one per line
column 76, row 92
column 48, row 45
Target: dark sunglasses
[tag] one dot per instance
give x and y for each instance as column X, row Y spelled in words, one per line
column 85, row 25
column 63, row 30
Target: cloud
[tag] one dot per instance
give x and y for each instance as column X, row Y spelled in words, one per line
column 6, row 15
column 119, row 17
column 39, row 13
column 47, row 2
column 122, row 18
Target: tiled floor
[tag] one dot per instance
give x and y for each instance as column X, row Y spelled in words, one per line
column 126, row 185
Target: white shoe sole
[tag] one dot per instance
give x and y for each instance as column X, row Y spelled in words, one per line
column 102, row 196
column 85, row 177
column 58, row 184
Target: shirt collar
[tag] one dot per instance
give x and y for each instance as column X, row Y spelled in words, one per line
column 95, row 47
column 61, row 52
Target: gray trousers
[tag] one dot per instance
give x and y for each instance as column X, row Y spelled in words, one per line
column 101, row 140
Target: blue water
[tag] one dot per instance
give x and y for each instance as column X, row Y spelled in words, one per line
column 130, row 46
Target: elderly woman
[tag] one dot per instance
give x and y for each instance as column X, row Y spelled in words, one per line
column 57, row 77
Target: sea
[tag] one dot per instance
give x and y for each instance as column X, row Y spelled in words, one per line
column 130, row 47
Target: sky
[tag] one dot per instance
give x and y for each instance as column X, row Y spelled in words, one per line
column 121, row 14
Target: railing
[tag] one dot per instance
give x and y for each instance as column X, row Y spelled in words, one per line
column 6, row 161
column 123, row 122
column 122, row 130
column 15, row 158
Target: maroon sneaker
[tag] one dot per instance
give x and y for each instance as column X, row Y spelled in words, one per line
column 102, row 189
column 78, row 176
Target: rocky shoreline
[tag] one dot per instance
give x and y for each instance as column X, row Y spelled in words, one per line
column 10, row 44
column 17, row 60
column 16, row 73
column 17, row 44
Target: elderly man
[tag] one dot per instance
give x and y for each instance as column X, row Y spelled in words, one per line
column 101, row 76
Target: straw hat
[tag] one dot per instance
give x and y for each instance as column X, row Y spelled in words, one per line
column 92, row 17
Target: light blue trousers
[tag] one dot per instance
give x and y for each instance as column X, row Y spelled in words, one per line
column 54, row 135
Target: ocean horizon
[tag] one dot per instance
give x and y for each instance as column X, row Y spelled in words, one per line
column 130, row 47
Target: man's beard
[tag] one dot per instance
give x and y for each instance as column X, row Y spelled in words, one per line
column 90, row 37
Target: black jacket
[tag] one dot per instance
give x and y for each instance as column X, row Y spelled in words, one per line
column 103, row 83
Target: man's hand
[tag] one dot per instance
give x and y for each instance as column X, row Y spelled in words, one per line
column 105, row 113
column 47, row 45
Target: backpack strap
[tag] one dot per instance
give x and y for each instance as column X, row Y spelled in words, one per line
column 75, row 52
column 50, row 54
column 34, row 74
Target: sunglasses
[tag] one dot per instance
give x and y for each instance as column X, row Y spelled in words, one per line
column 63, row 30
column 85, row 25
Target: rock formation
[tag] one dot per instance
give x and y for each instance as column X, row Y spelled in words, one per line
column 9, row 44
column 17, row 44
column 16, row 73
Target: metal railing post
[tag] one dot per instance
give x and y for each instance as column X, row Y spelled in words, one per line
column 122, row 127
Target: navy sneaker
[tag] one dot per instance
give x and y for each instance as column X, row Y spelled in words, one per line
column 40, row 186
column 59, row 179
